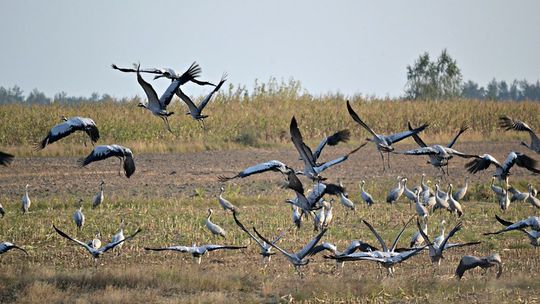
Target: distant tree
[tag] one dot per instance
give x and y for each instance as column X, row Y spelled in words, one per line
column 471, row 90
column 10, row 95
column 438, row 79
column 37, row 96
column 503, row 91
column 492, row 90
column 514, row 92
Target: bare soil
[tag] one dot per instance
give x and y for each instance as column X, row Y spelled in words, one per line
column 169, row 175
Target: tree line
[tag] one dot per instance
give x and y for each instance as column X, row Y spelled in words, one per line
column 427, row 79
column 16, row 95
column 441, row 78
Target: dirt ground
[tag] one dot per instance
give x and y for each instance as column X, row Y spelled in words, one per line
column 170, row 175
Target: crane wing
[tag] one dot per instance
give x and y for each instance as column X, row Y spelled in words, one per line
column 377, row 235
column 416, row 137
column 63, row 234
column 5, row 158
column 205, row 101
column 301, row 147
column 394, row 138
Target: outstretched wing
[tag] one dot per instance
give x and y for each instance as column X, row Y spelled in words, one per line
column 482, row 163
column 508, row 123
column 128, row 70
column 219, row 247
column 5, row 158
column 111, row 245
column 170, row 248
column 301, row 147
column 58, row 132
column 246, row 231
column 99, row 153
column 205, row 101
column 394, row 138
column 450, row 234
column 63, row 234
column 394, row 244
column 356, row 118
column 377, row 235
column 307, row 249
column 332, row 140
column 416, row 137
column 168, row 95
column 503, row 222
column 461, row 130
column 521, row 160
column 273, row 165
column 192, row 107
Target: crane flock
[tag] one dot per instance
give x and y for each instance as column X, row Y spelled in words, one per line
column 312, row 203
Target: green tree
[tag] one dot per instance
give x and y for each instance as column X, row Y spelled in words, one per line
column 437, row 79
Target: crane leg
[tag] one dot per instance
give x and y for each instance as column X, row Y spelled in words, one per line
column 388, row 158
column 166, row 120
column 382, row 157
column 120, row 170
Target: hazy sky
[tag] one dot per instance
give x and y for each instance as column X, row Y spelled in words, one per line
column 330, row 46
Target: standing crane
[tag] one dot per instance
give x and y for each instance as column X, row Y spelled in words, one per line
column 78, row 216
column 26, row 202
column 214, row 228
column 98, row 198
column 225, row 204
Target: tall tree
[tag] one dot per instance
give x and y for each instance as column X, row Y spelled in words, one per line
column 438, row 79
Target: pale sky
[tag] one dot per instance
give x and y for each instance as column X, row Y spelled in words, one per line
column 330, row 46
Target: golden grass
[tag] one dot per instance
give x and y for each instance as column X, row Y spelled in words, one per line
column 260, row 121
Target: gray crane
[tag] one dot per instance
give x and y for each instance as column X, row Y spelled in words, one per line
column 469, row 262
column 102, row 152
column 298, row 258
column 312, row 169
column 513, row 124
column 266, row 249
column 96, row 252
column 196, row 251
column 533, row 235
column 196, row 110
column 7, row 246
column 383, row 142
column 214, row 228
column 439, row 155
column 437, row 247
column 69, row 126
column 502, row 171
column 272, row 165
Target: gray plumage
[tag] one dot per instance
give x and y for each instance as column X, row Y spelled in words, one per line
column 469, row 262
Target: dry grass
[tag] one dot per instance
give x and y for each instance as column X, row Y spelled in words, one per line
column 255, row 121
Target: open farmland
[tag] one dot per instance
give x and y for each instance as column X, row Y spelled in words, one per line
column 176, row 181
